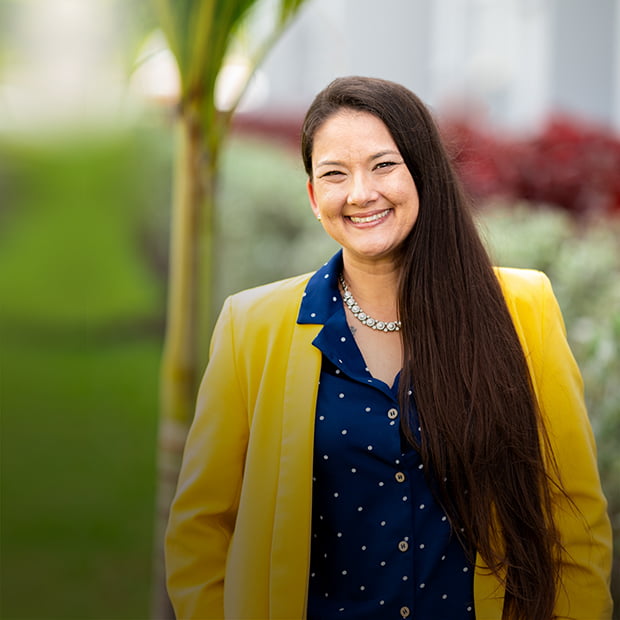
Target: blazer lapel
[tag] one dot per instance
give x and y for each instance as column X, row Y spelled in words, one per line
column 293, row 511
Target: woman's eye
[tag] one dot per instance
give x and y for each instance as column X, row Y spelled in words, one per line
column 385, row 164
column 331, row 173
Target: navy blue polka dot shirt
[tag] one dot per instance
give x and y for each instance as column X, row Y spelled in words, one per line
column 381, row 546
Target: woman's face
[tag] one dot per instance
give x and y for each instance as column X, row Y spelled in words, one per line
column 360, row 187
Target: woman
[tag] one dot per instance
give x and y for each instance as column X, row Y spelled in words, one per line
column 402, row 433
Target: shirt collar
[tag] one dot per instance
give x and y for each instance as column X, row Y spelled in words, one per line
column 322, row 305
column 321, row 296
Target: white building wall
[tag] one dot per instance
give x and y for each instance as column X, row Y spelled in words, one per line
column 517, row 60
column 331, row 38
column 584, row 74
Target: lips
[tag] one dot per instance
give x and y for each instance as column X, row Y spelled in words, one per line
column 369, row 218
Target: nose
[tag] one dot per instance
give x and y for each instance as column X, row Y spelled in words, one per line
column 361, row 190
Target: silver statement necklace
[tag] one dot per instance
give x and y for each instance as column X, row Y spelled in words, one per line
column 360, row 315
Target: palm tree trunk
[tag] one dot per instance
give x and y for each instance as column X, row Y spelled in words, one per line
column 185, row 349
column 200, row 35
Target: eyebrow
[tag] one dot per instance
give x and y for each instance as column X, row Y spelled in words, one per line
column 371, row 158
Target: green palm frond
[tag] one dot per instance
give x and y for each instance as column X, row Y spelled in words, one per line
column 174, row 18
column 201, row 34
column 284, row 12
column 288, row 8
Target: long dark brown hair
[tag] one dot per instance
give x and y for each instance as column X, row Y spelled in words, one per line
column 482, row 433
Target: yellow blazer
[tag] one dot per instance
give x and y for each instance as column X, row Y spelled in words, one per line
column 238, row 538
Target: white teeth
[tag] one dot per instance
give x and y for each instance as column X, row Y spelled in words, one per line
column 370, row 218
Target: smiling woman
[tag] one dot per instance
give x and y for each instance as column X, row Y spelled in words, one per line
column 337, row 468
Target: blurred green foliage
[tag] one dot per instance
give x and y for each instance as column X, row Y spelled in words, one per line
column 79, row 317
column 83, row 255
column 267, row 230
column 79, row 370
column 64, row 224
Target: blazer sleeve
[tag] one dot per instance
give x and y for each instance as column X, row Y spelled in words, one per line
column 584, row 525
column 203, row 513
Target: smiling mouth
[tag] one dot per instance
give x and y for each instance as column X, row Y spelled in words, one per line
column 370, row 218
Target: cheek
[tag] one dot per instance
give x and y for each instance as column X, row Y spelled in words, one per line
column 405, row 194
column 330, row 198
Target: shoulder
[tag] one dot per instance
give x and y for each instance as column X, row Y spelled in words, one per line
column 524, row 284
column 526, row 291
column 533, row 306
column 275, row 296
column 262, row 314
column 529, row 297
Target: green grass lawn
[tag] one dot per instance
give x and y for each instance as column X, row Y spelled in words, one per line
column 79, row 372
column 78, row 462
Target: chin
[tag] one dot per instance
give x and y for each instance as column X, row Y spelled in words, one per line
column 377, row 254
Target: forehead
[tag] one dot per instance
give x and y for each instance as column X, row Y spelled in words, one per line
column 349, row 129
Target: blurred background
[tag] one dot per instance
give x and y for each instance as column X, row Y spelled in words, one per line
column 527, row 94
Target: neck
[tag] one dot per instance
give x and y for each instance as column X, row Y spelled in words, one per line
column 373, row 284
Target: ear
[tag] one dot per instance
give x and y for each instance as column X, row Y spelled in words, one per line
column 312, row 198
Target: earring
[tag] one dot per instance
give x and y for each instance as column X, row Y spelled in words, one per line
column 318, row 217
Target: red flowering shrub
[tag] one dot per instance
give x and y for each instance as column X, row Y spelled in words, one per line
column 569, row 164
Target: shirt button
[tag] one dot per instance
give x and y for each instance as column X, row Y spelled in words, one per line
column 404, row 612
column 400, row 477
column 392, row 413
column 403, row 545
